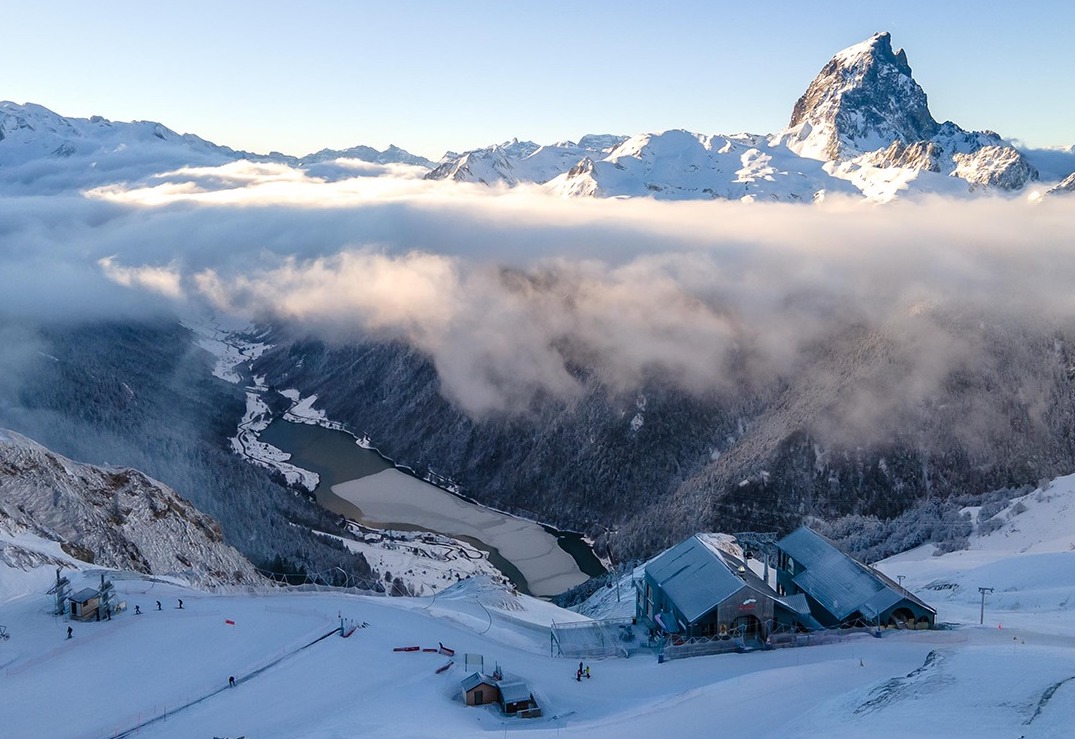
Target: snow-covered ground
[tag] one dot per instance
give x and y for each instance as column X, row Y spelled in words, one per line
column 392, row 497
column 1014, row 676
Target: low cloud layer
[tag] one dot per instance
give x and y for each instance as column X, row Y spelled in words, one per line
column 511, row 292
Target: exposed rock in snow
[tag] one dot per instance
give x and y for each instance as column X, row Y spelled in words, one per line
column 521, row 161
column 392, row 155
column 112, row 517
column 864, row 106
column 863, row 100
column 1066, row 186
column 680, row 165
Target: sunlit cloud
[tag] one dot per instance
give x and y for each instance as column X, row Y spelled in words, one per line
column 162, row 280
column 514, row 294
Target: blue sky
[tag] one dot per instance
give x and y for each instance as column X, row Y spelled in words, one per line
column 431, row 76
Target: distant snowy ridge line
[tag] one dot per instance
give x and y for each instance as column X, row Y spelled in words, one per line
column 863, row 127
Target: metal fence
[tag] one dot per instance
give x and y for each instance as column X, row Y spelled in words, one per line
column 678, row 648
column 699, row 646
column 610, row 637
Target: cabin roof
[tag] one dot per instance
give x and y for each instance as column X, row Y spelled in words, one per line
column 514, row 691
column 474, row 680
column 697, row 576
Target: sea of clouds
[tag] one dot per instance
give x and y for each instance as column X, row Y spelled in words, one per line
column 511, row 291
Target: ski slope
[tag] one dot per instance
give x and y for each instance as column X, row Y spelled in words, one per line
column 165, row 673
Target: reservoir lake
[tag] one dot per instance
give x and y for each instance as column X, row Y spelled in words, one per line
column 366, row 487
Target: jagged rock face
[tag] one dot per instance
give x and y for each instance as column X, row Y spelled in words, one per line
column 994, row 166
column 863, row 99
column 1066, row 186
column 924, row 155
column 865, row 107
column 116, row 518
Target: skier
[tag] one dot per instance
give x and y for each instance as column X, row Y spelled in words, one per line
column 587, row 672
column 231, row 681
column 181, row 604
column 69, row 632
column 158, row 605
column 137, row 610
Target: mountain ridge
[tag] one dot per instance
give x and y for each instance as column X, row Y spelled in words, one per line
column 113, row 517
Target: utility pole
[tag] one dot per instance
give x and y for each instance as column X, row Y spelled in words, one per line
column 615, row 574
column 981, row 617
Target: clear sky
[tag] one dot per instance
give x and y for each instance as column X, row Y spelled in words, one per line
column 430, row 76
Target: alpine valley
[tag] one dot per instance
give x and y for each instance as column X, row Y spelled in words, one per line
column 608, row 386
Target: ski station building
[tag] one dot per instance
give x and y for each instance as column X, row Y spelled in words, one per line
column 703, row 587
column 699, row 588
column 842, row 591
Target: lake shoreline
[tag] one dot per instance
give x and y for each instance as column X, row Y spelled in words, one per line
column 541, row 559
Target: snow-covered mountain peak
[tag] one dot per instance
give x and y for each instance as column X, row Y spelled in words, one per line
column 863, row 99
column 865, row 111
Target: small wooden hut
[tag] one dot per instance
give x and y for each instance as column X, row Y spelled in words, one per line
column 84, row 604
column 479, row 689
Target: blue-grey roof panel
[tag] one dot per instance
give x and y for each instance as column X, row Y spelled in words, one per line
column 840, row 584
column 880, row 602
column 796, row 603
column 694, row 577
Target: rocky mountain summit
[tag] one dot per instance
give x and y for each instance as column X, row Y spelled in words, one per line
column 864, row 99
column 866, row 109
column 113, row 517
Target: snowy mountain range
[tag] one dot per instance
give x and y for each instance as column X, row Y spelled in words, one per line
column 863, row 127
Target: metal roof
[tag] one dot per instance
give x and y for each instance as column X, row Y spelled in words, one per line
column 514, row 691
column 796, row 603
column 695, row 577
column 880, row 602
column 474, row 680
column 839, row 583
column 84, row 595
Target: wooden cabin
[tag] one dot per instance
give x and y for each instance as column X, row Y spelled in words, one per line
column 84, row 604
column 479, row 690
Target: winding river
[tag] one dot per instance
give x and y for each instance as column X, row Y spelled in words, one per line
column 366, row 487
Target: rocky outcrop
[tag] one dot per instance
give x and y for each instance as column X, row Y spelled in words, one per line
column 1065, row 187
column 865, row 107
column 113, row 517
column 865, row 98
